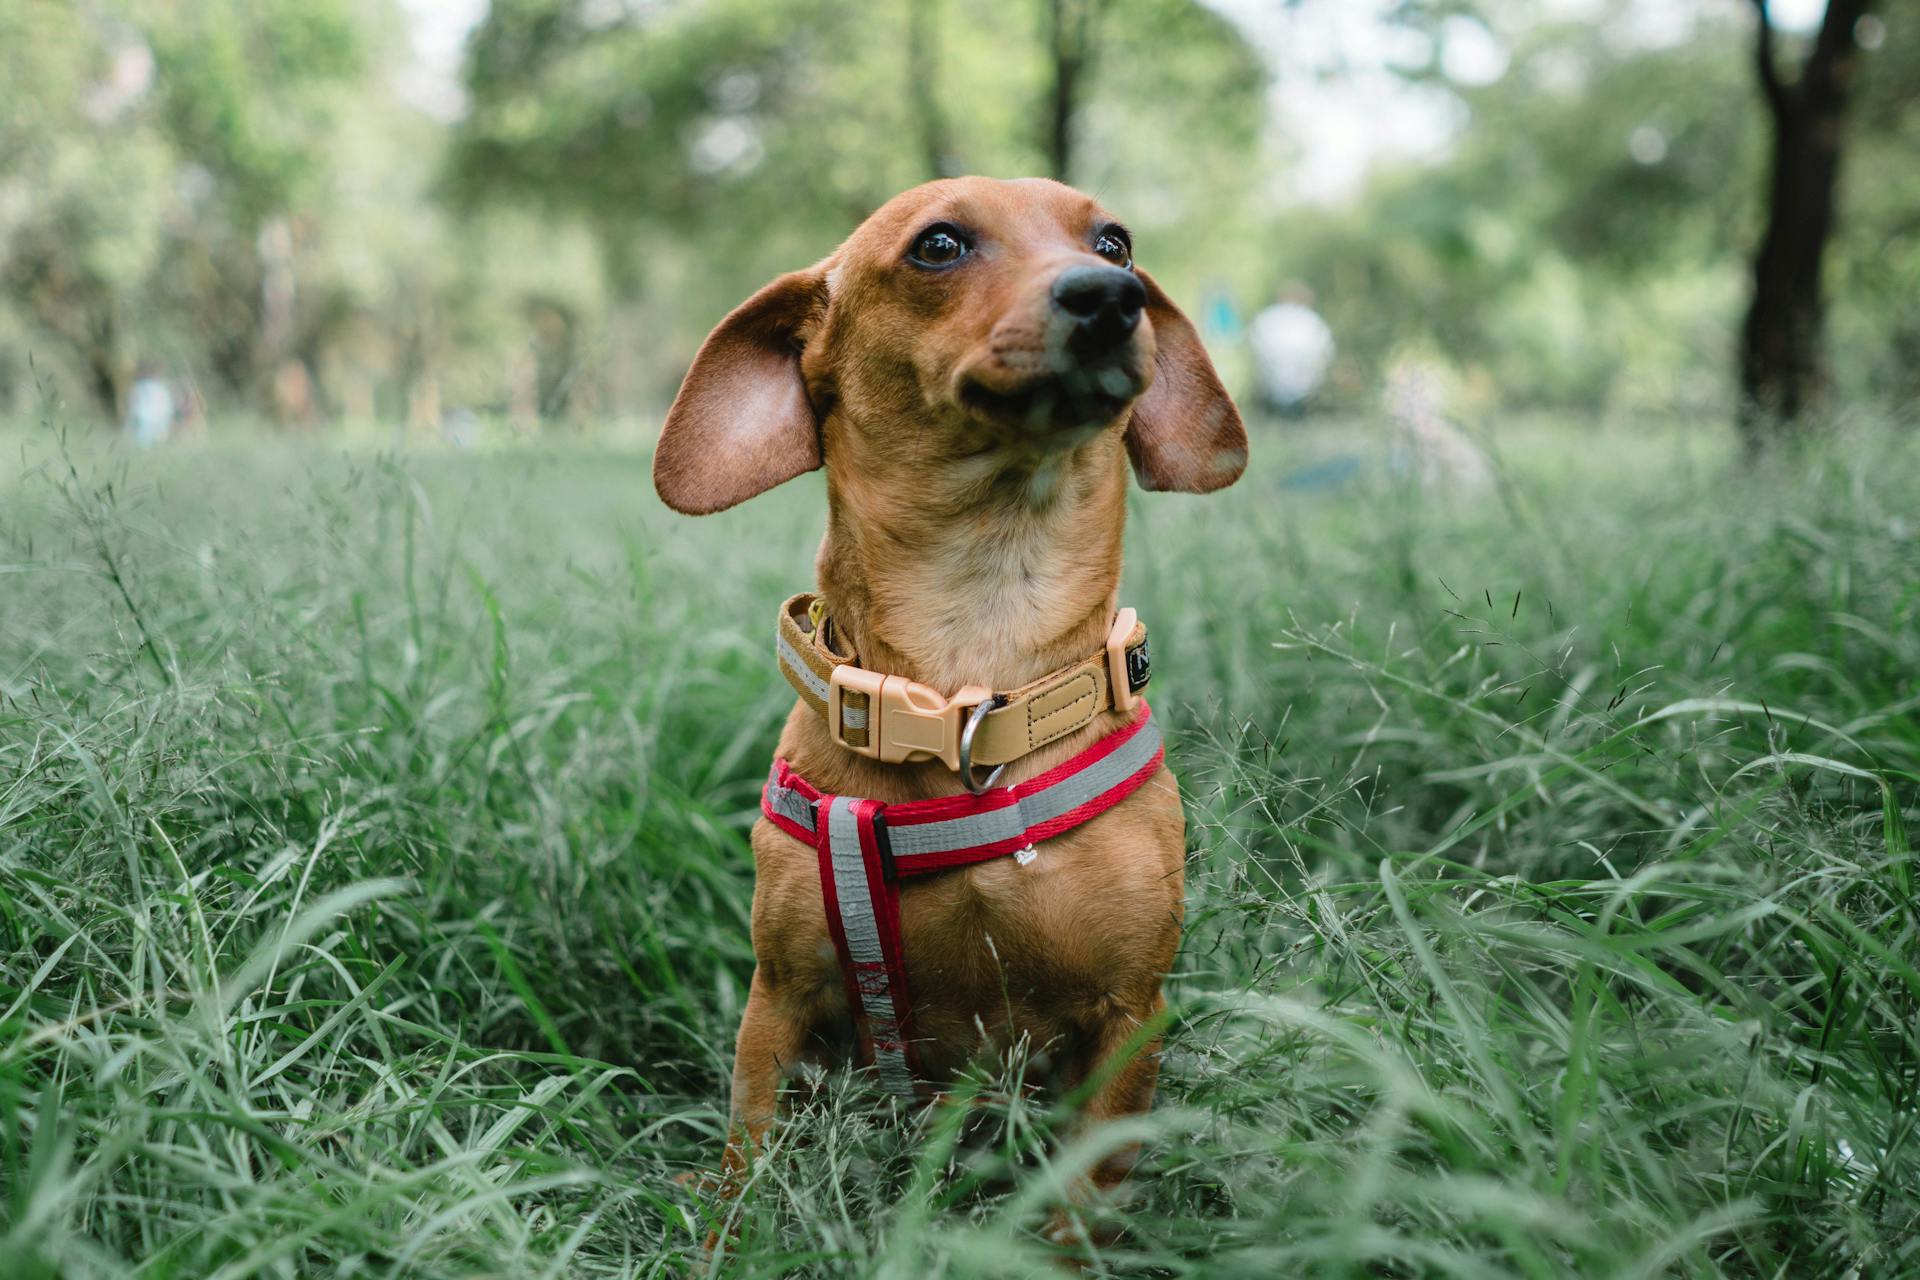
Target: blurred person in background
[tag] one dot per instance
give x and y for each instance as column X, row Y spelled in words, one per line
column 150, row 408
column 1292, row 350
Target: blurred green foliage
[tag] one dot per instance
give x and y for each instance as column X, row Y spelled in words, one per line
column 231, row 191
column 1588, row 241
column 712, row 146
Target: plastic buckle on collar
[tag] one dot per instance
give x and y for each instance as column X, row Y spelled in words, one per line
column 906, row 720
column 1122, row 679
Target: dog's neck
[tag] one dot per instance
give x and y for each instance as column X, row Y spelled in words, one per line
column 992, row 572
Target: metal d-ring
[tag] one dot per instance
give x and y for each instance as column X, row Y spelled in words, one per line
column 978, row 714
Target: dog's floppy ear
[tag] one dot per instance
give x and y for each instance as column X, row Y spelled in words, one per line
column 742, row 422
column 1185, row 434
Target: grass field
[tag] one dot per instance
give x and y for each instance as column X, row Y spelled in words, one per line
column 374, row 879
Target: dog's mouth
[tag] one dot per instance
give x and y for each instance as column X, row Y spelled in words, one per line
column 1052, row 402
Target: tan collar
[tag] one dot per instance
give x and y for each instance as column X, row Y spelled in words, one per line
column 893, row 719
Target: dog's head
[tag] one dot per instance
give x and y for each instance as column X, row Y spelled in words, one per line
column 966, row 318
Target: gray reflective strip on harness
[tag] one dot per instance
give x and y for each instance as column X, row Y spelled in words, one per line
column 860, row 921
column 791, row 805
column 911, row 839
column 855, row 717
column 1029, row 811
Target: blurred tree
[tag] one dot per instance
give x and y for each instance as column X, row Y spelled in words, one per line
column 232, row 189
column 710, row 145
column 923, row 88
column 1072, row 35
column 1590, row 238
column 82, row 189
column 1873, row 270
column 250, row 89
column 1579, row 244
column 1783, row 370
column 159, row 161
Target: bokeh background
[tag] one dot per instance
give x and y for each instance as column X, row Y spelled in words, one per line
column 378, row 756
column 356, row 215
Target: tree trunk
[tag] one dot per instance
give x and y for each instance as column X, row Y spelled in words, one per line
column 1070, row 44
column 288, row 398
column 936, row 150
column 1783, row 371
column 106, row 374
column 556, row 349
column 77, row 307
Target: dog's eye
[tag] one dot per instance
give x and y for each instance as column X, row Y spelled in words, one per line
column 940, row 245
column 1113, row 246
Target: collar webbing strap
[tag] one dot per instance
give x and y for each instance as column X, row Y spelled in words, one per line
column 893, row 719
column 866, row 848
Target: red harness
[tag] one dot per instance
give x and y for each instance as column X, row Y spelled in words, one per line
column 867, row 848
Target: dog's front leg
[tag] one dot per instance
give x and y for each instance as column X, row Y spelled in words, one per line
column 1123, row 1071
column 769, row 1040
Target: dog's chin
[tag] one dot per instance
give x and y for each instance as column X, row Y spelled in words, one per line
column 1053, row 410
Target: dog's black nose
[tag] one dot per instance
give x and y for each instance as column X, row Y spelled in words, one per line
column 1105, row 303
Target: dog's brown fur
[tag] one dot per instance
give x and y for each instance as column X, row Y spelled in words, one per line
column 966, row 545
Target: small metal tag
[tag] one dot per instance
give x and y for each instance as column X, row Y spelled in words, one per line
column 1024, row 856
column 1139, row 667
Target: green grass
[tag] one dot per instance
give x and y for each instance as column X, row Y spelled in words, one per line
column 374, row 879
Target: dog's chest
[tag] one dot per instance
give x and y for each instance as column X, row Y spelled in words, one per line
column 1049, row 948
column 1046, row 947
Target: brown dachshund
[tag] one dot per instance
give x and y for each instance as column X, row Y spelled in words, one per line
column 975, row 367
